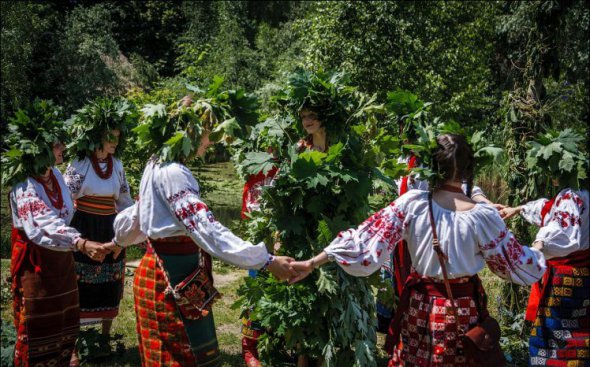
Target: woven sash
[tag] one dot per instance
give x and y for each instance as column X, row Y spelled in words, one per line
column 99, row 205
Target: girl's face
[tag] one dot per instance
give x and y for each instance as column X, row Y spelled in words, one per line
column 111, row 141
column 310, row 121
column 58, row 152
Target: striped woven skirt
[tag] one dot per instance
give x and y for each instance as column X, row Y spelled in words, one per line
column 561, row 332
column 165, row 337
column 45, row 304
column 100, row 283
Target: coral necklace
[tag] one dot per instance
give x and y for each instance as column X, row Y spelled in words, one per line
column 54, row 195
column 99, row 172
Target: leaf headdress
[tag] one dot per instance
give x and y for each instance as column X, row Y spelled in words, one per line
column 557, row 155
column 173, row 132
column 32, row 133
column 94, row 122
column 326, row 93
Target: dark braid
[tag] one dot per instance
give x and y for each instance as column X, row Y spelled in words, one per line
column 453, row 160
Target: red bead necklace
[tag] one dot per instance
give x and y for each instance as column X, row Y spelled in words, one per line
column 99, row 172
column 55, row 195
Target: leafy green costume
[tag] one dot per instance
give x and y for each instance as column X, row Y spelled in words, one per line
column 329, row 315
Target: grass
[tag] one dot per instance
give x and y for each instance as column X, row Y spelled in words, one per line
column 222, row 192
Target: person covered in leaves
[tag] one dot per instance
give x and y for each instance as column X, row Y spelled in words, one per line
column 316, row 140
column 470, row 235
column 182, row 236
column 558, row 305
column 45, row 293
column 317, row 191
column 97, row 183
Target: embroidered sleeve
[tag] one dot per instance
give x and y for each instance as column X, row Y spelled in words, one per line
column 531, row 211
column 127, row 228
column 562, row 233
column 362, row 251
column 74, row 178
column 40, row 223
column 123, row 197
column 182, row 197
column 503, row 254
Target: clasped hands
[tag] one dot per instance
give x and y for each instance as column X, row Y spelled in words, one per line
column 287, row 268
column 96, row 250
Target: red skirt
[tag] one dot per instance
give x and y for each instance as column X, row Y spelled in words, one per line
column 165, row 338
column 429, row 333
column 45, row 303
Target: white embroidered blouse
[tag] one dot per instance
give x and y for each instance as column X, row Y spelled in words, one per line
column 82, row 180
column 564, row 229
column 170, row 205
column 45, row 225
column 470, row 239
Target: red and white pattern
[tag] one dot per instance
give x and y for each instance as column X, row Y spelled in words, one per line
column 470, row 239
column 34, row 213
column 565, row 228
column 82, row 180
column 171, row 206
column 429, row 334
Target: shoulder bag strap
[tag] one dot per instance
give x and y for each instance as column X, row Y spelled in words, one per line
column 442, row 257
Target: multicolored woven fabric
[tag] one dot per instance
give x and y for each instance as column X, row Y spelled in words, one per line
column 561, row 331
column 100, row 284
column 165, row 338
column 429, row 332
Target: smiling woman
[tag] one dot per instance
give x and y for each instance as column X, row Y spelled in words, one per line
column 99, row 187
column 42, row 266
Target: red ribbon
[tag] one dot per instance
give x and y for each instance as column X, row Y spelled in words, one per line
column 252, row 181
column 402, row 261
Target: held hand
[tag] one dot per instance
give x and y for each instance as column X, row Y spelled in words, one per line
column 112, row 247
column 95, row 251
column 499, row 207
column 507, row 213
column 281, row 268
column 304, row 268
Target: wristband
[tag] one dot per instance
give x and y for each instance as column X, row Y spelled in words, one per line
column 270, row 260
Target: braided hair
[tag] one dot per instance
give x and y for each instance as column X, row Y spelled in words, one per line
column 453, row 160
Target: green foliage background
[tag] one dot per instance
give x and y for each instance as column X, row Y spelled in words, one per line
column 512, row 69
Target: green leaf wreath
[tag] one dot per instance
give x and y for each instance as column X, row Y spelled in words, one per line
column 32, row 133
column 315, row 195
column 94, row 122
column 560, row 156
column 418, row 130
column 173, row 131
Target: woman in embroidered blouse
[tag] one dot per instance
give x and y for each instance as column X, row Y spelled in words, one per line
column 46, row 309
column 99, row 187
column 558, row 306
column 183, row 232
column 471, row 235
